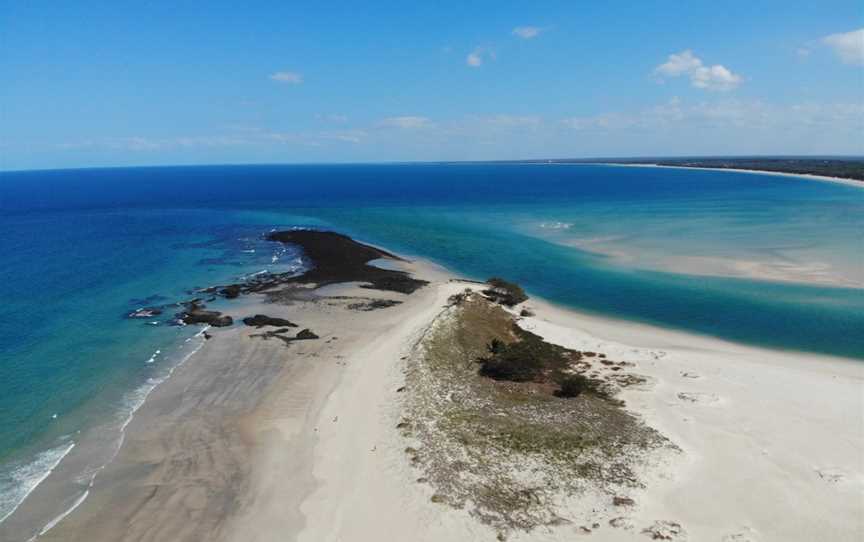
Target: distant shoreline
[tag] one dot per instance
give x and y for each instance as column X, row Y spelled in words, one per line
column 838, row 180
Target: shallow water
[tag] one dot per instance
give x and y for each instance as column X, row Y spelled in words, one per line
column 677, row 248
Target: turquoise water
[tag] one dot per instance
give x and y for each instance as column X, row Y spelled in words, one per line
column 687, row 249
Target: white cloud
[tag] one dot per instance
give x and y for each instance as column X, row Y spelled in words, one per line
column 848, row 46
column 527, row 32
column 736, row 114
column 515, row 120
column 289, row 78
column 478, row 56
column 406, row 122
column 347, row 136
column 475, row 58
column 716, row 77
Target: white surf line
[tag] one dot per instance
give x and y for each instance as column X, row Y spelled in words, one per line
column 40, row 480
column 53, row 523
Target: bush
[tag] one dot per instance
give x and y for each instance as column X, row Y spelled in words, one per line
column 504, row 292
column 572, row 386
column 496, row 346
column 516, row 362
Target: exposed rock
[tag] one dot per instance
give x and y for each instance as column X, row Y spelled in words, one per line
column 231, row 291
column 623, row 501
column 196, row 314
column 306, row 334
column 261, row 320
column 338, row 258
column 373, row 304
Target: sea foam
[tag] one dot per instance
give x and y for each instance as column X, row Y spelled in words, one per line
column 20, row 480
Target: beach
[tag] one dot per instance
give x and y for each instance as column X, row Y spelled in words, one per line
column 839, row 180
column 255, row 438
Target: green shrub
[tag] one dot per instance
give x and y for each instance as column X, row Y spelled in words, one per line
column 514, row 362
column 572, row 386
column 504, row 292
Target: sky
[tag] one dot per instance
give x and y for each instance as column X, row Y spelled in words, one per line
column 93, row 84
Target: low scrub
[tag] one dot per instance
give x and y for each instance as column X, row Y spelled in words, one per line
column 573, row 385
column 504, row 292
column 531, row 359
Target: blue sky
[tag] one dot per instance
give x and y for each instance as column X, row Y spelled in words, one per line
column 120, row 83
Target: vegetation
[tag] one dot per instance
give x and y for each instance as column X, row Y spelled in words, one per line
column 505, row 446
column 504, row 292
column 531, row 359
column 573, row 386
column 844, row 168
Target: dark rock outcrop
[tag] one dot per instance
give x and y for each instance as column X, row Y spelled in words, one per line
column 334, row 258
column 261, row 320
column 305, row 334
column 195, row 313
column 231, row 291
column 373, row 304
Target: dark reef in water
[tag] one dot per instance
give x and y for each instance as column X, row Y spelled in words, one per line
column 335, row 258
column 338, row 258
column 195, row 313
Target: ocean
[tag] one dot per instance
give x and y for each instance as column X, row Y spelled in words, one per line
column 758, row 259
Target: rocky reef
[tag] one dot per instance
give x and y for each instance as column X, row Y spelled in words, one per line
column 334, row 258
column 261, row 320
column 196, row 313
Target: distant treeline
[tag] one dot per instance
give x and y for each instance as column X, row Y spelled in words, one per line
column 844, row 168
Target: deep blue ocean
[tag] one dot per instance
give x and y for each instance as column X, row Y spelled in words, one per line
column 765, row 260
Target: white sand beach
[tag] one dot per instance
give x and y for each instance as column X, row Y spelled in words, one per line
column 840, row 180
column 253, row 440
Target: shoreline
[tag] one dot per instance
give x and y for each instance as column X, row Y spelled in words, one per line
column 267, row 426
column 82, row 473
column 836, row 180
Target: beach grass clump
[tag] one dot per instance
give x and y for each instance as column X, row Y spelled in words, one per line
column 510, row 450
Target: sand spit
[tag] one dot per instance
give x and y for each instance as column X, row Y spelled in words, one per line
column 259, row 439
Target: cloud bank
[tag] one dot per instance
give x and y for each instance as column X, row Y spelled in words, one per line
column 849, row 46
column 715, row 78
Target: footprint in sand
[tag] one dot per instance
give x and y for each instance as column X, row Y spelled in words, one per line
column 746, row 534
column 699, row 398
column 831, row 475
column 666, row 530
column 621, row 523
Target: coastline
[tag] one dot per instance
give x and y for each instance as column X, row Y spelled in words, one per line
column 255, row 440
column 837, row 180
